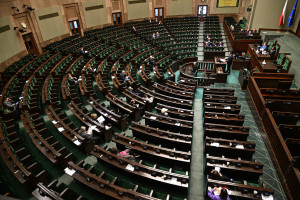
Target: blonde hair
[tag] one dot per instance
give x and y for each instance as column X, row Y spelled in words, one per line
column 93, row 115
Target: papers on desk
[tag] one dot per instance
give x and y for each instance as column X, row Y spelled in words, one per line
column 177, row 124
column 69, row 171
column 227, row 107
column 264, row 62
column 100, row 119
column 107, row 127
column 129, row 167
column 77, row 142
column 215, row 144
column 91, row 128
column 153, row 117
column 267, row 197
column 54, row 122
column 223, row 60
column 105, row 114
column 173, row 180
column 112, row 77
column 218, row 169
column 239, row 146
column 60, row 129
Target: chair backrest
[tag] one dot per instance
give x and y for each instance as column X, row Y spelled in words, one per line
column 280, row 59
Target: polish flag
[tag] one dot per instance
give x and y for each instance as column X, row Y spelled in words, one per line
column 282, row 17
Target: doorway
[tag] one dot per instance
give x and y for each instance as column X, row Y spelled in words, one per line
column 159, row 14
column 29, row 43
column 202, row 11
column 74, row 27
column 117, row 18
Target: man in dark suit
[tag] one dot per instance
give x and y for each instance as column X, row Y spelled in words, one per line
column 9, row 104
column 229, row 62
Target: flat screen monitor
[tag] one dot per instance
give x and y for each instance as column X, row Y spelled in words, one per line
column 227, row 3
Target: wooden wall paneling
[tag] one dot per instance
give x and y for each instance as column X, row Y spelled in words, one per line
column 116, row 6
column 28, row 18
column 71, row 13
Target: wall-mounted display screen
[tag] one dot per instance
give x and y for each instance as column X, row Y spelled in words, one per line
column 227, row 3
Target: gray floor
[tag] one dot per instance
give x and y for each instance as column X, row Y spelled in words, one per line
column 197, row 187
column 289, row 44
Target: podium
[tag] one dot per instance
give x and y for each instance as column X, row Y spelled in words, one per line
column 243, row 80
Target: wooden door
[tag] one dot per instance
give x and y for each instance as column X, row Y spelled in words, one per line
column 29, row 43
column 159, row 14
column 117, row 19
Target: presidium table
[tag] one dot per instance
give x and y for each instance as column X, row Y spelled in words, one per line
column 256, row 60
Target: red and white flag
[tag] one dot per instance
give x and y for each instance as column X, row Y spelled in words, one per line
column 282, row 17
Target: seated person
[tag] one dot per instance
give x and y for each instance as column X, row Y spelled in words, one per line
column 243, row 56
column 82, row 52
column 214, row 174
column 123, row 75
column 90, row 68
column 152, row 60
column 150, row 20
column 254, row 31
column 241, row 31
column 127, row 81
column 232, row 27
column 127, row 153
column 133, row 28
column 148, row 99
column 87, row 134
column 159, row 22
column 157, row 35
column 100, row 119
column 134, row 104
column 156, row 20
column 207, row 44
column 250, row 33
column 133, row 92
column 153, row 36
column 72, row 79
column 264, row 46
column 9, row 104
column 220, row 44
column 163, row 112
column 272, row 51
column 223, row 195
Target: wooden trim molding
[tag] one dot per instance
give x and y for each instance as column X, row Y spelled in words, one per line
column 272, row 29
